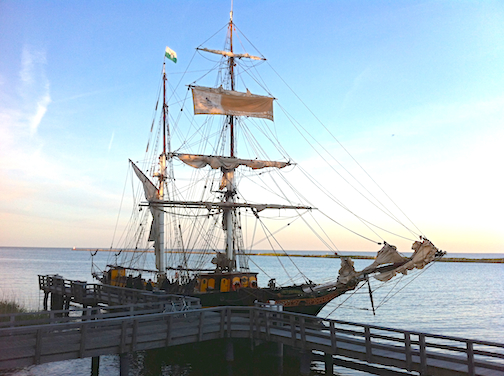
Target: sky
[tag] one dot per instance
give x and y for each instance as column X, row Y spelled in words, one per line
column 413, row 89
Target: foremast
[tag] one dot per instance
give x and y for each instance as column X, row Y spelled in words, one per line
column 158, row 212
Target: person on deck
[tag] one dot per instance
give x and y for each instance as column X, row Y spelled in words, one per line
column 129, row 282
column 137, row 283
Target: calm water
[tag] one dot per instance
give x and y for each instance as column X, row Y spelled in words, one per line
column 458, row 299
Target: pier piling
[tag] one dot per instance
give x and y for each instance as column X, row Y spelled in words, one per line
column 95, row 366
column 124, row 364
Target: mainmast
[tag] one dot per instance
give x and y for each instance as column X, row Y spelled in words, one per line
column 230, row 189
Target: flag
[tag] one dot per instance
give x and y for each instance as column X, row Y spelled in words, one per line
column 170, row 54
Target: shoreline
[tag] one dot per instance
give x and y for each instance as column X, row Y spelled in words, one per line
column 360, row 257
column 497, row 260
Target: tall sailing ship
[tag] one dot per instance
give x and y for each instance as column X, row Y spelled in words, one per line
column 194, row 212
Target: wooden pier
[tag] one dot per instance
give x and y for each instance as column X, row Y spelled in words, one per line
column 63, row 292
column 36, row 338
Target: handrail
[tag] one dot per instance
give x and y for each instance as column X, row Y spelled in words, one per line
column 408, row 349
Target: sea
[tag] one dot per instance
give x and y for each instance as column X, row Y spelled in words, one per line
column 448, row 298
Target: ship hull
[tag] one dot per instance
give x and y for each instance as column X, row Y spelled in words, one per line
column 293, row 299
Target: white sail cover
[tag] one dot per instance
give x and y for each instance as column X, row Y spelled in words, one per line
column 227, row 163
column 150, row 190
column 210, row 101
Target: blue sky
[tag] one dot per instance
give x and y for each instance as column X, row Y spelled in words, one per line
column 414, row 90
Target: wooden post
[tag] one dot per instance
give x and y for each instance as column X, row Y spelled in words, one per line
column 169, row 320
column 423, row 354
column 38, row 346
column 124, row 364
column 293, row 330
column 228, row 317
column 83, row 333
column 252, row 322
column 328, row 362
column 95, row 366
column 122, row 345
column 267, row 322
column 222, row 320
column 470, row 358
column 305, row 361
column 229, row 351
column 200, row 326
column 407, row 349
column 134, row 336
column 369, row 350
column 46, row 297
column 56, row 302
column 303, row 333
column 334, row 343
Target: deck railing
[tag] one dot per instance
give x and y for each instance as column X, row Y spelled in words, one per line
column 96, row 293
column 133, row 328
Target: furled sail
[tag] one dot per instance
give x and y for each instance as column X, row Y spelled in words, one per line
column 228, row 163
column 210, row 101
column 387, row 255
column 425, row 252
column 231, row 54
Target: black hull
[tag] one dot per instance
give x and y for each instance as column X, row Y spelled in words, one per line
column 298, row 301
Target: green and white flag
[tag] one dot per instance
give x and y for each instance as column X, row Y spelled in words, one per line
column 170, row 54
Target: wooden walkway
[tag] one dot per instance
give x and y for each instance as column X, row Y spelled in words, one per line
column 95, row 294
column 28, row 339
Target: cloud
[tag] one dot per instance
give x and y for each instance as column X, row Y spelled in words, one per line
column 34, row 89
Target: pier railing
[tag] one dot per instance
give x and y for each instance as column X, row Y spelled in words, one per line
column 342, row 342
column 92, row 294
column 78, row 314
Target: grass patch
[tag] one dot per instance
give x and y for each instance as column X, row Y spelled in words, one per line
column 8, row 306
column 11, row 307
